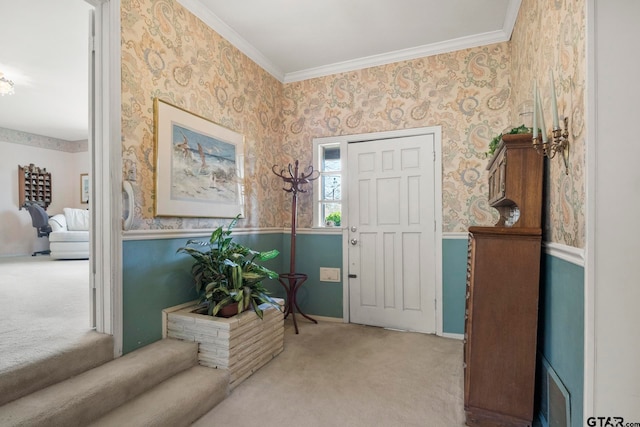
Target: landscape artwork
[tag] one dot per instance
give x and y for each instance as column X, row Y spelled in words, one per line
column 202, row 168
column 199, row 165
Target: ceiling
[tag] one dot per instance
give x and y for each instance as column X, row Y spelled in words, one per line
column 43, row 49
column 43, row 44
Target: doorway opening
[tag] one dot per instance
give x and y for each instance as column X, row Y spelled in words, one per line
column 101, row 278
column 46, row 306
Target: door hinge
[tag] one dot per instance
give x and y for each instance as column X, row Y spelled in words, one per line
column 92, row 44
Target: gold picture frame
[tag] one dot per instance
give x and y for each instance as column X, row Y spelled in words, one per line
column 199, row 165
column 84, row 188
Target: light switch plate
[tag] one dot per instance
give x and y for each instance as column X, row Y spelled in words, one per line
column 329, row 274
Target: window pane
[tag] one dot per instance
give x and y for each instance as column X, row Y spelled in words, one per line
column 330, row 158
column 327, row 189
column 330, row 187
column 331, row 214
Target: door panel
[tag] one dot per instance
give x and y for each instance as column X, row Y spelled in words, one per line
column 392, row 238
column 368, row 294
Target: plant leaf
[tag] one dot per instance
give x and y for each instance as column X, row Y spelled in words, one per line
column 233, row 223
column 258, row 311
column 265, row 256
column 230, row 263
column 215, row 235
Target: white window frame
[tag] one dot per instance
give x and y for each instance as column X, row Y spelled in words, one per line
column 318, row 144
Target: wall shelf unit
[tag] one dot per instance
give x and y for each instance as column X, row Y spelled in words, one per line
column 34, row 186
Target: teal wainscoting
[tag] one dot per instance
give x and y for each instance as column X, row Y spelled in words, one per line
column 561, row 327
column 315, row 251
column 454, row 283
column 155, row 277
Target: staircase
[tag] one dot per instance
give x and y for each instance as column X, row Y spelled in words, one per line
column 158, row 385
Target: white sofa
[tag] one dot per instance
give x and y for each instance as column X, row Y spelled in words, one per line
column 69, row 238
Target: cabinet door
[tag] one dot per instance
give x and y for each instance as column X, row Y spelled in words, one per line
column 497, row 178
column 502, row 174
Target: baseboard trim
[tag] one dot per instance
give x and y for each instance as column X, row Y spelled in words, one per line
column 328, row 319
column 452, row 335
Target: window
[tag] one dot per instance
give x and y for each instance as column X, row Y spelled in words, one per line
column 327, row 211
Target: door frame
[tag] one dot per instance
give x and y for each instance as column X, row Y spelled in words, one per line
column 106, row 180
column 344, row 140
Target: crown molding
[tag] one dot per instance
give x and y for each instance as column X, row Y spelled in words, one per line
column 400, row 55
column 214, row 22
column 511, row 16
column 199, row 10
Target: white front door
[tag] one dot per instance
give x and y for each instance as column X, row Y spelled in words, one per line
column 392, row 238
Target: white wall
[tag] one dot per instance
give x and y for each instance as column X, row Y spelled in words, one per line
column 613, row 245
column 17, row 235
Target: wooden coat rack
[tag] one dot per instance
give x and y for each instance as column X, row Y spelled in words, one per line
column 294, row 180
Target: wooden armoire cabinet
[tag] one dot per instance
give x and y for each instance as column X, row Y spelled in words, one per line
column 503, row 274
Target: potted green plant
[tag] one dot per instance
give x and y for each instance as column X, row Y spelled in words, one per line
column 227, row 276
column 495, row 142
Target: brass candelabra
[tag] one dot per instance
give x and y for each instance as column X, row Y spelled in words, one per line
column 559, row 144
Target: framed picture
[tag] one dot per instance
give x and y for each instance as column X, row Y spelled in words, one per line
column 84, row 188
column 199, row 165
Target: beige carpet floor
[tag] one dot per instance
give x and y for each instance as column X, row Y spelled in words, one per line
column 334, row 374
column 331, row 374
column 44, row 307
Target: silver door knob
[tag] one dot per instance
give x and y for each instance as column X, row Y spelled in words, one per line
column 354, row 228
column 354, row 241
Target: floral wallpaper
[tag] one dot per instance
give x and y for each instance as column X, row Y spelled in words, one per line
column 548, row 36
column 169, row 53
column 466, row 92
column 473, row 94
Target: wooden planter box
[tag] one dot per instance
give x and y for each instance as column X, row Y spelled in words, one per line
column 241, row 344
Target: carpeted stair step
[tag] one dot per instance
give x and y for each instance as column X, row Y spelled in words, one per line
column 93, row 349
column 178, row 401
column 84, row 398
